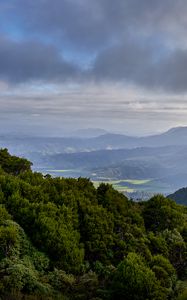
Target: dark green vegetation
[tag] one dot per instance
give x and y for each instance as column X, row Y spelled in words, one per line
column 64, row 239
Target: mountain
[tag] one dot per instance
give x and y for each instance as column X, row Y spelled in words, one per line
column 103, row 158
column 172, row 158
column 164, row 167
column 88, row 132
column 162, row 157
column 23, row 145
column 174, row 136
column 180, row 196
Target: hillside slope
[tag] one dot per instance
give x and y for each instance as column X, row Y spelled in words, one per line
column 51, row 145
column 180, row 196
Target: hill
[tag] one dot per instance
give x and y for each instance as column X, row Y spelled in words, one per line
column 23, row 145
column 166, row 165
column 161, row 158
column 88, row 132
column 180, row 196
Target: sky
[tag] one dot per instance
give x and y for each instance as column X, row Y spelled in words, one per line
column 118, row 65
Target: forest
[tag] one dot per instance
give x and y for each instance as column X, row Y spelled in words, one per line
column 65, row 239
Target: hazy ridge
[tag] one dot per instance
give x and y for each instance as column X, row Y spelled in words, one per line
column 161, row 157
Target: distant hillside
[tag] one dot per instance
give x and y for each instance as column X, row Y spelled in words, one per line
column 22, row 144
column 174, row 136
column 144, row 162
column 89, row 132
column 161, row 157
column 179, row 196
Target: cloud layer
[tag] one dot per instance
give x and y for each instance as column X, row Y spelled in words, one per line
column 99, row 51
column 142, row 42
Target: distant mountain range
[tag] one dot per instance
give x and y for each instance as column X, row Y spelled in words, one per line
column 161, row 158
column 168, row 164
column 88, row 133
column 50, row 145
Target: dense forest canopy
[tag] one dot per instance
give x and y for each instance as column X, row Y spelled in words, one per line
column 64, row 239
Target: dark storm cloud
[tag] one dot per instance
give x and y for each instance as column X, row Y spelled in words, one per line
column 143, row 65
column 23, row 61
column 95, row 24
column 141, row 42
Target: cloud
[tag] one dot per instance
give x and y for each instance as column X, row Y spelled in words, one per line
column 94, row 24
column 62, row 108
column 143, row 65
column 32, row 60
column 130, row 41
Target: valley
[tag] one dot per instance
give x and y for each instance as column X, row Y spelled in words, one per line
column 137, row 166
column 133, row 188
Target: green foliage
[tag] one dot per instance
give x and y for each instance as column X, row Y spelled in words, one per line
column 164, row 271
column 61, row 281
column 158, row 244
column 111, row 199
column 8, row 239
column 63, row 239
column 13, row 164
column 133, row 280
column 86, row 286
column 97, row 232
column 161, row 213
column 183, row 295
column 176, row 250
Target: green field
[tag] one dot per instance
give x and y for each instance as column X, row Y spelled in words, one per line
column 118, row 183
column 59, row 171
column 130, row 186
column 136, row 185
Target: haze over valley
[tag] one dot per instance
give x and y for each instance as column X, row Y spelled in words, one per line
column 137, row 166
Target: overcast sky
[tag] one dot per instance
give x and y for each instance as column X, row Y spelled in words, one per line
column 119, row 65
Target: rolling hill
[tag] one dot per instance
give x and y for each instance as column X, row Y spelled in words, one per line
column 180, row 196
column 161, row 158
column 26, row 144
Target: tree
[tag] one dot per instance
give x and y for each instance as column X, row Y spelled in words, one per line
column 161, row 213
column 133, row 280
